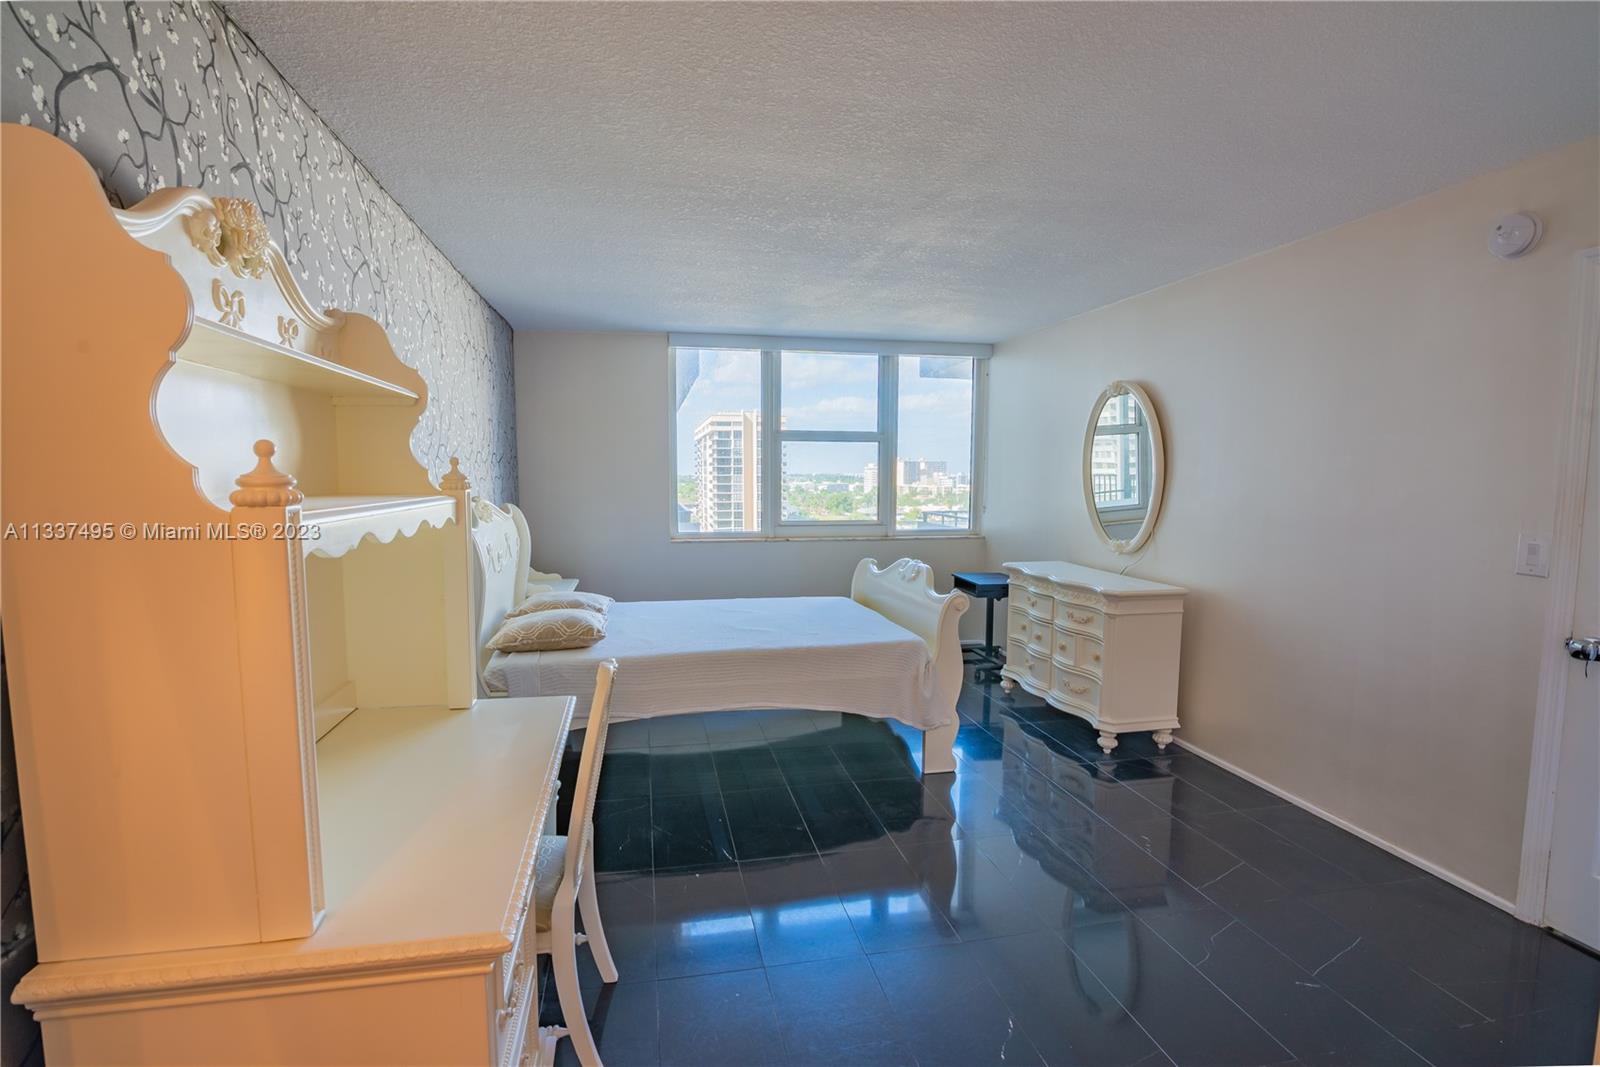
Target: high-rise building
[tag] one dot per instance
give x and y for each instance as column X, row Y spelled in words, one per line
column 727, row 467
column 917, row 471
column 1115, row 458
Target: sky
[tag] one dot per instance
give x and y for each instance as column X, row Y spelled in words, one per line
column 825, row 391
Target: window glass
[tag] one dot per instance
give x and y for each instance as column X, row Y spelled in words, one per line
column 718, row 430
column 933, row 466
column 821, row 423
column 829, row 391
column 830, row 481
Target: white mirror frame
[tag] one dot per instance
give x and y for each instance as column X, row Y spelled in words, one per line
column 1158, row 455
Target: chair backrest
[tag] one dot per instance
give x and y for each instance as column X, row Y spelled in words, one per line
column 580, row 829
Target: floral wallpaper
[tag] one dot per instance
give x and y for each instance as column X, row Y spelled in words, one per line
column 160, row 94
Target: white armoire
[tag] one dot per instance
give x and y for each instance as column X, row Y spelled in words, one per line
column 268, row 821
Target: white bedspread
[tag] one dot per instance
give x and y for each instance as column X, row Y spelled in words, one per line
column 680, row 656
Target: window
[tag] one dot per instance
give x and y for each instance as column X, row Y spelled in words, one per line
column 775, row 438
column 831, row 435
column 718, row 441
column 933, row 472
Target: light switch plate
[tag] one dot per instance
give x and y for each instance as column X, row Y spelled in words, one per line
column 1532, row 558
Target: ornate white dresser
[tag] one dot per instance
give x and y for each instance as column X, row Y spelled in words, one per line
column 1096, row 644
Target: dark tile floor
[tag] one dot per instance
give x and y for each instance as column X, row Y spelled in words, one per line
column 785, row 887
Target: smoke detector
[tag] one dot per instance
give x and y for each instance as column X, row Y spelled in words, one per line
column 1515, row 235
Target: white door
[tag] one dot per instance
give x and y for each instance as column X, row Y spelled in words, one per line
column 1572, row 901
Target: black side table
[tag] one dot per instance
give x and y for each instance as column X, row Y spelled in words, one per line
column 987, row 586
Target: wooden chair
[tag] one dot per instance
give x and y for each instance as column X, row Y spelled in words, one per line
column 564, row 882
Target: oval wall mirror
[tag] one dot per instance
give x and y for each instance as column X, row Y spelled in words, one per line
column 1124, row 467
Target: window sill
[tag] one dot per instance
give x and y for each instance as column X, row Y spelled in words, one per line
column 733, row 538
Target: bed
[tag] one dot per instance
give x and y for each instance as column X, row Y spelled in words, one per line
column 890, row 650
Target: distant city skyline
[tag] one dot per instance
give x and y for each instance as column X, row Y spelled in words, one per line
column 823, row 393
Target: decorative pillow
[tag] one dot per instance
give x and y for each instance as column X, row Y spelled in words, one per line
column 546, row 631
column 547, row 601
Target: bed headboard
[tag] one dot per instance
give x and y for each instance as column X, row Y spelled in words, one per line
column 525, row 551
column 496, row 551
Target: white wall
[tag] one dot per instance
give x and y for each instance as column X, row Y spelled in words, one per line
column 1358, row 426
column 592, row 435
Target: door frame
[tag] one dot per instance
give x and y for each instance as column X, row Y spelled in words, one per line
column 1572, row 470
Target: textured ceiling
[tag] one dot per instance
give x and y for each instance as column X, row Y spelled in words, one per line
column 954, row 171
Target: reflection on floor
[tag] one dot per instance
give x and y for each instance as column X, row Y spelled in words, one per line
column 783, row 887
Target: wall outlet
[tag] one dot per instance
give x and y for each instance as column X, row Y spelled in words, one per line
column 1532, row 558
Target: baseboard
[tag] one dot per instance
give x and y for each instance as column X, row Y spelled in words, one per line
column 1372, row 839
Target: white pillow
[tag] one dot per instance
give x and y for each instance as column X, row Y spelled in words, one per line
column 547, row 601
column 546, row 631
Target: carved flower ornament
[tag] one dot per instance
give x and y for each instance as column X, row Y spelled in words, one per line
column 233, row 234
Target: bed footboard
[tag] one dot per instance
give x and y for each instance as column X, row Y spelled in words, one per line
column 903, row 593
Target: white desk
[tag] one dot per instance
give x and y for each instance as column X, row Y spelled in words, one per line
column 430, row 822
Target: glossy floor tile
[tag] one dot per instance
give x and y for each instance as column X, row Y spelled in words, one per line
column 719, row 1018
column 765, row 823
column 1065, row 1009
column 947, row 1012
column 797, row 913
column 786, row 887
column 835, row 1010
column 703, row 923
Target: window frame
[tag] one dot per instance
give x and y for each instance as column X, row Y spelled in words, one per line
column 773, row 527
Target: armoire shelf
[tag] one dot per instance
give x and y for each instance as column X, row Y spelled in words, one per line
column 334, row 708
column 211, row 344
column 336, row 524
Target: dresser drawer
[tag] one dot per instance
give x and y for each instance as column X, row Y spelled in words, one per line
column 1091, row 656
column 517, row 1008
column 1078, row 689
column 1036, row 666
column 1083, row 620
column 518, row 968
column 518, row 992
column 516, row 1023
column 519, row 957
column 1079, row 650
column 1065, row 651
column 1018, row 622
column 1029, row 631
column 1039, row 605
